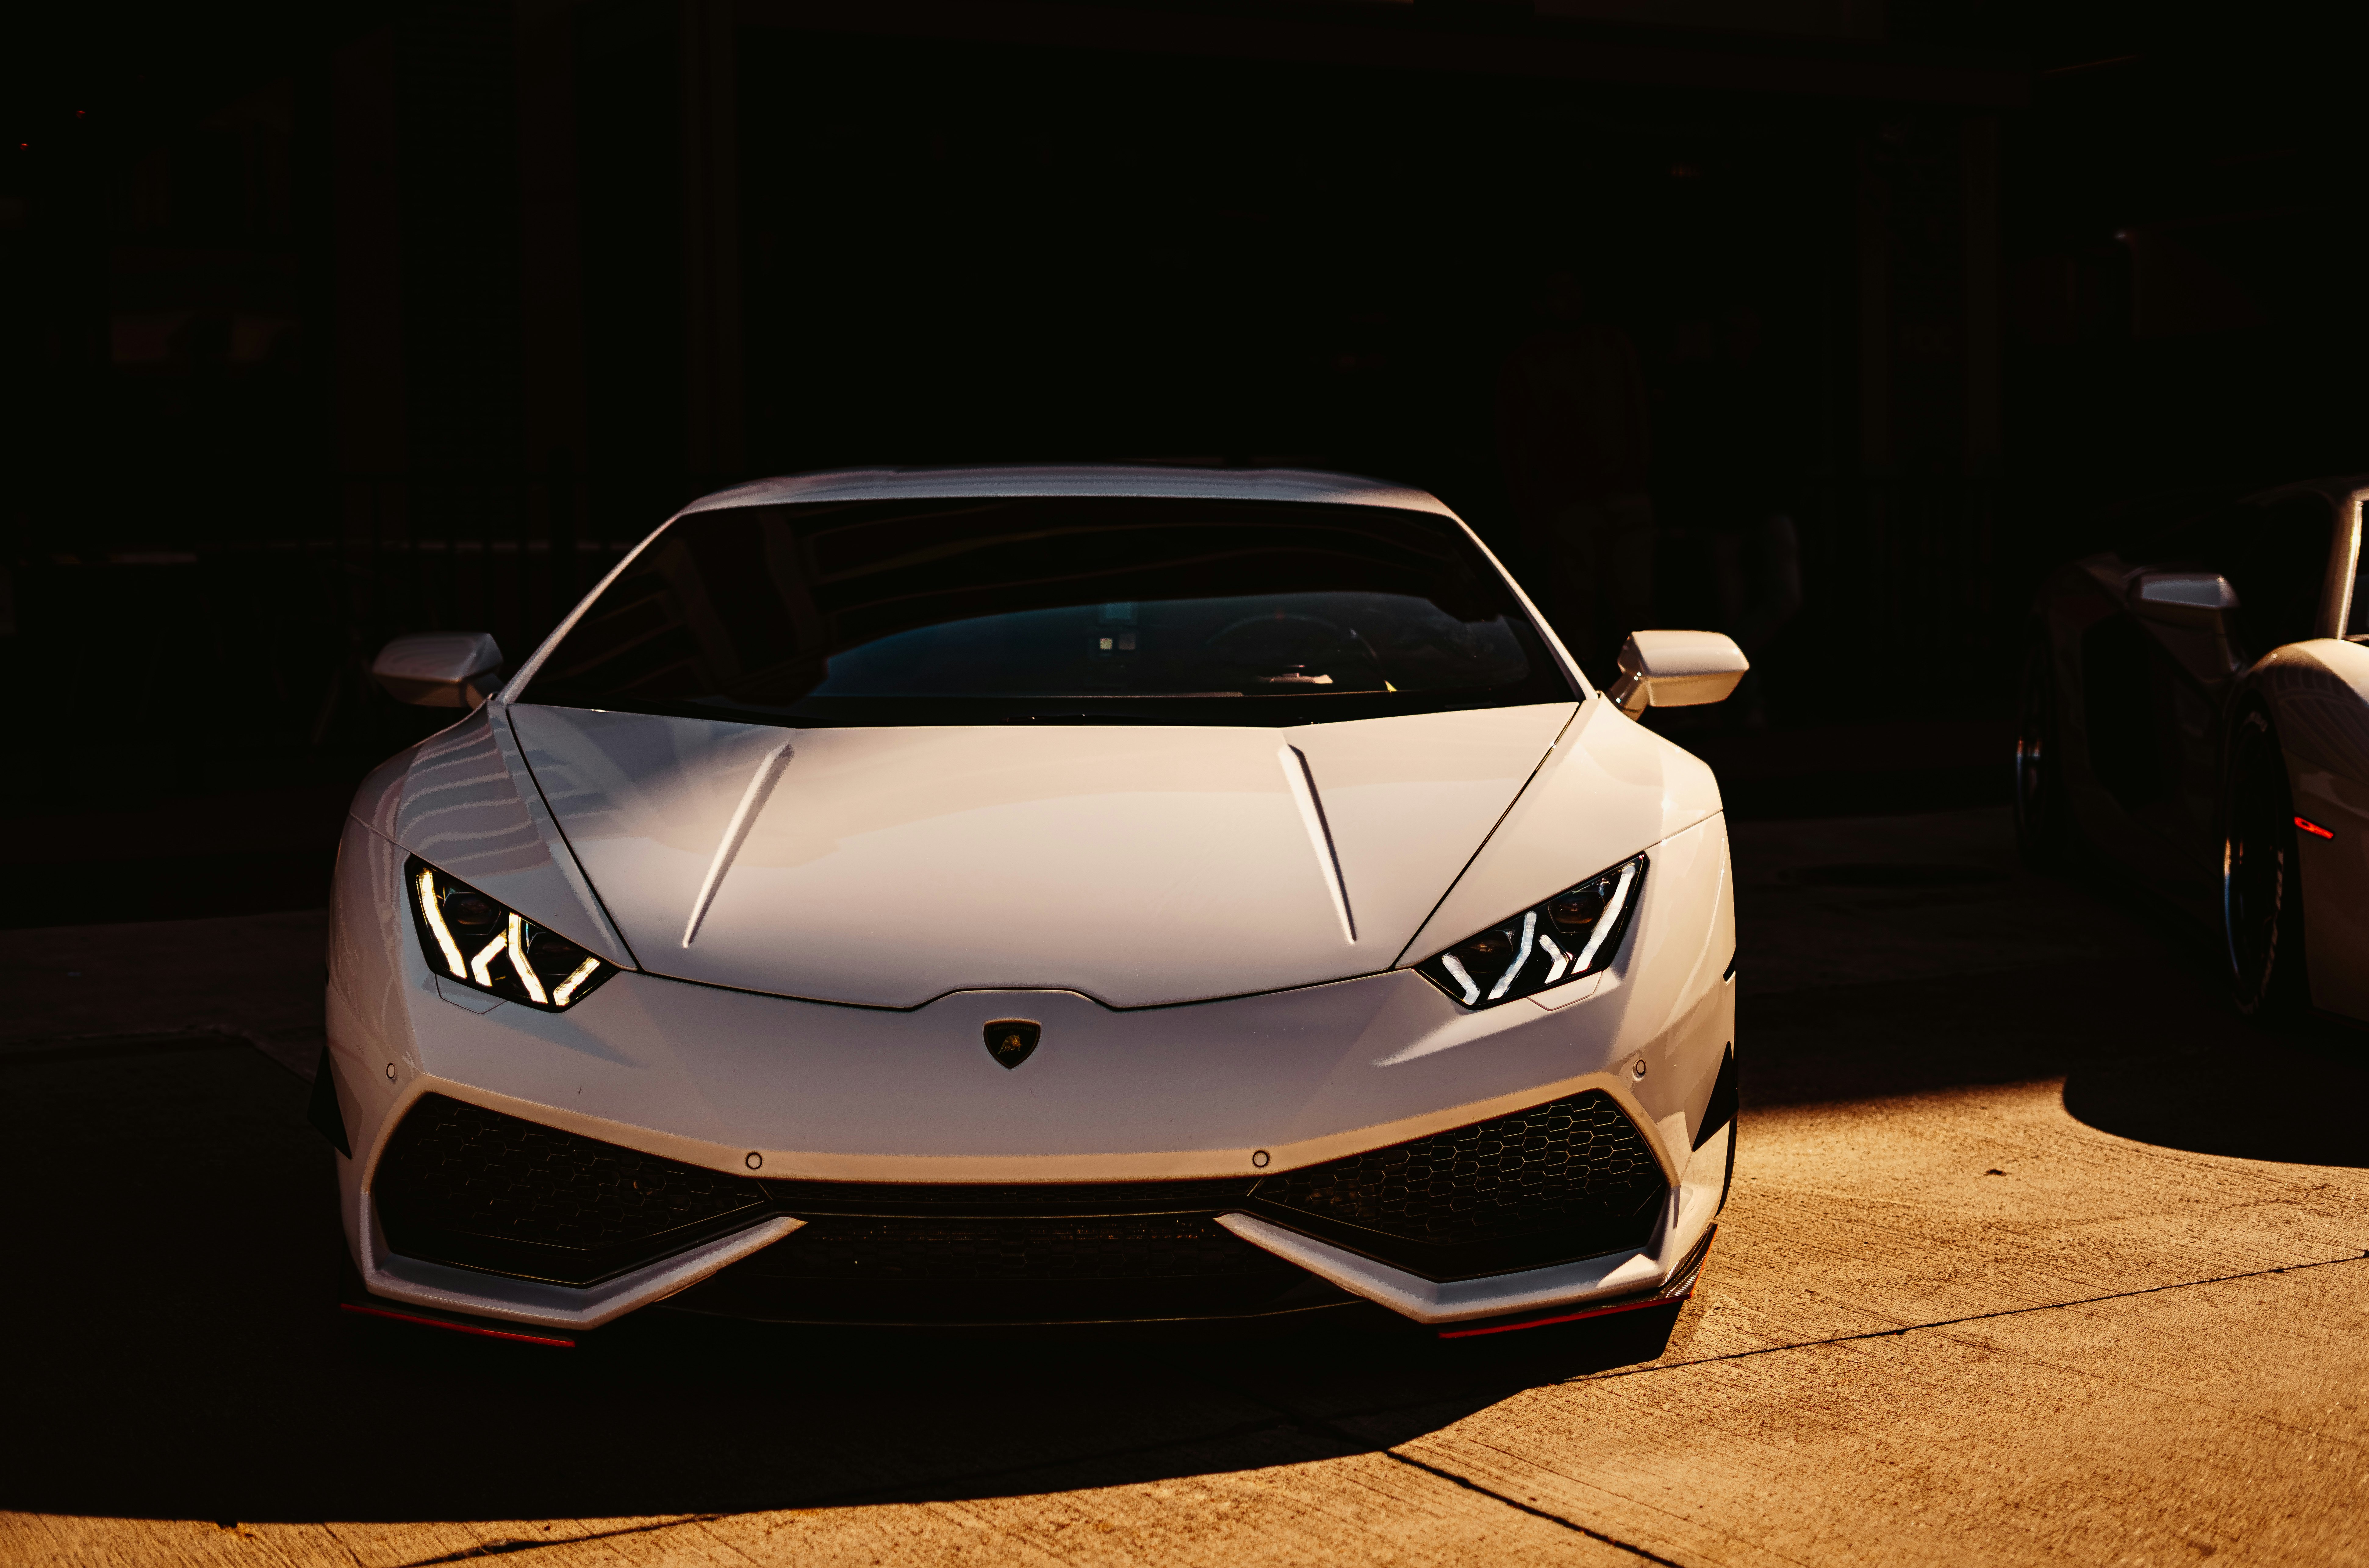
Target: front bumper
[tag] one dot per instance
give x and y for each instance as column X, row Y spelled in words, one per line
column 772, row 1090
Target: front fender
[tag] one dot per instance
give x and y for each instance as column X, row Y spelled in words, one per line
column 2317, row 694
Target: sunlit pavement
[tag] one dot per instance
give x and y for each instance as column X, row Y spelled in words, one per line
column 2035, row 1253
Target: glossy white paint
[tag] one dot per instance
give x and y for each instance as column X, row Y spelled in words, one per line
column 1676, row 669
column 437, row 670
column 1075, row 875
column 707, row 1075
column 1139, row 866
column 1684, row 1218
column 464, row 802
column 761, row 780
column 1608, row 788
column 1076, row 479
column 1301, row 784
column 423, row 1284
column 2319, row 697
column 466, row 997
column 1455, row 1300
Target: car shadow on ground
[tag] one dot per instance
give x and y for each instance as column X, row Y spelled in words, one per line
column 178, row 1355
column 2147, row 1042
column 176, row 1251
column 1932, row 1036
column 2289, row 1096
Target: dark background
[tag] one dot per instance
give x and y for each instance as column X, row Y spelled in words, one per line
column 324, row 324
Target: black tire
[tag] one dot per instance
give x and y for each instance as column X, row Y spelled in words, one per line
column 2262, row 883
column 2044, row 817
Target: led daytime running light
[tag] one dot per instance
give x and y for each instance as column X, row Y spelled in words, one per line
column 1562, row 960
column 436, row 926
column 527, row 977
column 566, row 991
column 481, row 967
column 505, row 966
column 1530, row 940
column 1605, row 923
column 1526, row 953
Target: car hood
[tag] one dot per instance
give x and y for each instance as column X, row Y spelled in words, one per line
column 1139, row 866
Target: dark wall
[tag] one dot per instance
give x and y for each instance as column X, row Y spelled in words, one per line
column 2182, row 309
column 968, row 253
column 413, row 320
column 961, row 252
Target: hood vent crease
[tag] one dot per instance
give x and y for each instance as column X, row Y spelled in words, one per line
column 735, row 833
column 1139, row 865
column 1301, row 780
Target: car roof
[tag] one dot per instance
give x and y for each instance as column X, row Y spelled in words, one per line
column 1076, row 479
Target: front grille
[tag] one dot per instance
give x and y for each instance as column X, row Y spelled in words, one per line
column 1124, row 1247
column 459, row 1184
column 986, row 1252
column 942, row 1271
column 984, row 1198
column 466, row 1186
column 1569, row 1179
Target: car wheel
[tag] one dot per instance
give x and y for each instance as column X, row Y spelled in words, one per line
column 2261, row 888
column 2043, row 819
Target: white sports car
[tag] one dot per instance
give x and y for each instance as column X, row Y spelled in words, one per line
column 2195, row 712
column 1036, row 896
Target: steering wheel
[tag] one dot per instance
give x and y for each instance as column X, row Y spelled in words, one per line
column 1284, row 634
column 1278, row 647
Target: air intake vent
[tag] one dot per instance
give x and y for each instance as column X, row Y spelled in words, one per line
column 1126, row 1247
column 463, row 1184
column 1037, row 1269
column 981, row 1199
column 474, row 1187
column 1570, row 1179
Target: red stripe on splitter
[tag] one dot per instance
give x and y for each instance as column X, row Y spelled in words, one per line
column 2314, row 829
column 1689, row 1270
column 457, row 1328
column 1565, row 1317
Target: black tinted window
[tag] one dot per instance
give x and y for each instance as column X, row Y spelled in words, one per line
column 2277, row 559
column 2275, row 555
column 1158, row 610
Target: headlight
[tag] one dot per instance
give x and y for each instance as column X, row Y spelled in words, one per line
column 469, row 938
column 1575, row 932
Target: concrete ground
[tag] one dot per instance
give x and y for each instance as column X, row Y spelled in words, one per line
column 2036, row 1254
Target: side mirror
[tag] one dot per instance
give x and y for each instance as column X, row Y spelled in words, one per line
column 438, row 669
column 1676, row 670
column 2186, row 599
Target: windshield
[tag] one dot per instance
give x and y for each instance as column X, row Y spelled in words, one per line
column 1053, row 608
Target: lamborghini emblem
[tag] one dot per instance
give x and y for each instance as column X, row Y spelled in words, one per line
column 1009, row 1040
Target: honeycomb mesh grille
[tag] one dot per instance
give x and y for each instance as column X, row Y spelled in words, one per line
column 461, row 1168
column 1013, row 1198
column 471, row 1187
column 1572, row 1162
column 1127, row 1247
